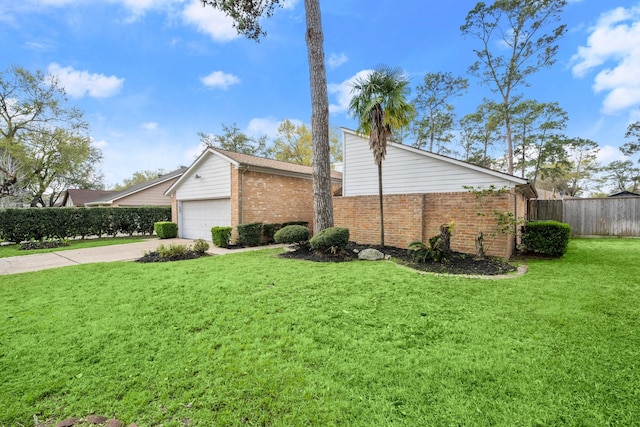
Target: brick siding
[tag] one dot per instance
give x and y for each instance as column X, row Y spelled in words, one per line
column 410, row 217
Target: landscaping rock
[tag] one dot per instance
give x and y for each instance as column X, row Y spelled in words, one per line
column 69, row 422
column 371, row 255
column 113, row 423
column 96, row 419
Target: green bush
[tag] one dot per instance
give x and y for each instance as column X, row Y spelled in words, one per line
column 330, row 239
column 546, row 237
column 173, row 251
column 305, row 223
column 269, row 231
column 421, row 252
column 220, row 236
column 166, row 229
column 200, row 246
column 19, row 225
column 292, row 234
column 249, row 234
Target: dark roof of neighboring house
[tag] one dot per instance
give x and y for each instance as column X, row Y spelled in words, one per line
column 80, row 196
column 115, row 195
column 624, row 194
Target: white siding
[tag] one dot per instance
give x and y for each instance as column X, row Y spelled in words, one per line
column 406, row 172
column 214, row 181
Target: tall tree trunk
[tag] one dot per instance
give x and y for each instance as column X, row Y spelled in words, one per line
column 322, row 202
column 507, row 126
column 381, row 203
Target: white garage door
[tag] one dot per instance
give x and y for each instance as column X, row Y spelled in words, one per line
column 198, row 216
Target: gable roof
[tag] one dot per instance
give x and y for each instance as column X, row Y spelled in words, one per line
column 624, row 194
column 249, row 162
column 80, row 197
column 116, row 195
column 520, row 183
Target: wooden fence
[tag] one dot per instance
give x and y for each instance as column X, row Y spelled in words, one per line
column 610, row 216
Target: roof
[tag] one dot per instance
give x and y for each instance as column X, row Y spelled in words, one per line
column 624, row 194
column 255, row 163
column 520, row 183
column 82, row 196
column 109, row 199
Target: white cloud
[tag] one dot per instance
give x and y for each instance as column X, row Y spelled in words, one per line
column 608, row 153
column 209, row 21
column 149, row 125
column 614, row 42
column 289, row 4
column 337, row 59
column 342, row 92
column 80, row 83
column 99, row 144
column 220, row 80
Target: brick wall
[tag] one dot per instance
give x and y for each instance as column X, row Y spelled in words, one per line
column 410, row 217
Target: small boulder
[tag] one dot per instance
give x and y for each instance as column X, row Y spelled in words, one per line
column 371, row 255
column 69, row 422
column 96, row 419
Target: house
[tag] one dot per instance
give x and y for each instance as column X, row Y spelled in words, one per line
column 224, row 188
column 624, row 194
column 79, row 197
column 422, row 191
column 150, row 193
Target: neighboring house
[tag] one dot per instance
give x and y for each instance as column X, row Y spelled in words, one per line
column 422, row 191
column 624, row 194
column 150, row 193
column 79, row 197
column 224, row 188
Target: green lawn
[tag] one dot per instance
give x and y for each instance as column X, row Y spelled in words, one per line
column 14, row 250
column 251, row 339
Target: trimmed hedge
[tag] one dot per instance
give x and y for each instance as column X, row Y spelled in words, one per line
column 166, row 229
column 292, row 234
column 546, row 237
column 18, row 225
column 249, row 234
column 220, row 236
column 330, row 239
column 269, row 231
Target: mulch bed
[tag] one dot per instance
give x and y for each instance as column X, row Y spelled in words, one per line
column 47, row 244
column 155, row 257
column 453, row 263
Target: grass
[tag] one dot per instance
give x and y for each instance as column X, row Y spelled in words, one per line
column 250, row 339
column 14, row 250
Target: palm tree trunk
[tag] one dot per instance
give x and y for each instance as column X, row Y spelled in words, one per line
column 381, row 204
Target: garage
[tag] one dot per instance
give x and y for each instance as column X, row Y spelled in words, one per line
column 199, row 216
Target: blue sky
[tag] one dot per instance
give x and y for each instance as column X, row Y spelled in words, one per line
column 150, row 74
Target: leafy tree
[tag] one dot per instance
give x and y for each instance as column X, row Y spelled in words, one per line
column 139, row 177
column 380, row 105
column 480, row 131
column 623, row 175
column 58, row 161
column 294, row 144
column 571, row 172
column 435, row 122
column 44, row 148
column 246, row 15
column 513, row 46
column 235, row 140
column 534, row 124
column 633, row 131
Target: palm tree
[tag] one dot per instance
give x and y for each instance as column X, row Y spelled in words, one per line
column 380, row 104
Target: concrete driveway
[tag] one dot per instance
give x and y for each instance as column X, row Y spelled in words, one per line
column 125, row 252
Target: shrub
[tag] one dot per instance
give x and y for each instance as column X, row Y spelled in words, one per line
column 421, row 252
column 166, row 229
column 330, row 239
column 200, row 246
column 546, row 237
column 305, row 223
column 292, row 234
column 249, row 234
column 269, row 231
column 220, row 236
column 173, row 251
